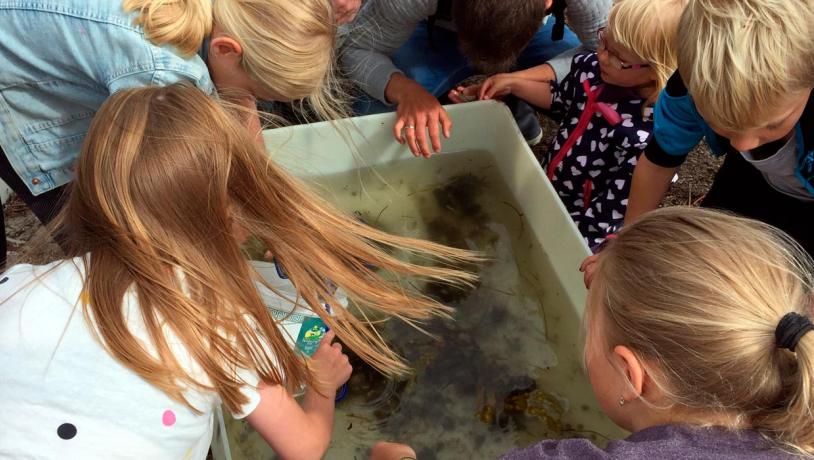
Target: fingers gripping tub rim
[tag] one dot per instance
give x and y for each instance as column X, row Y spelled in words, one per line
column 287, row 47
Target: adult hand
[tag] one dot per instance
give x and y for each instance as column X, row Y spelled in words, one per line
column 330, row 366
column 497, row 86
column 463, row 94
column 418, row 112
column 345, row 10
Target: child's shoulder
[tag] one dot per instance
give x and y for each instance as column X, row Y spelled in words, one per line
column 25, row 282
column 585, row 66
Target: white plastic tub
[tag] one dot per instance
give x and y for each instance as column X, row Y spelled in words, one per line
column 319, row 150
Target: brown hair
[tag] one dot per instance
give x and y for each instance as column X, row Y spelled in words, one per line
column 163, row 176
column 697, row 295
column 493, row 33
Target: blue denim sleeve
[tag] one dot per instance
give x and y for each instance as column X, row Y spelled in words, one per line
column 193, row 71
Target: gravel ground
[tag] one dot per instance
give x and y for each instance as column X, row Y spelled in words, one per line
column 25, row 237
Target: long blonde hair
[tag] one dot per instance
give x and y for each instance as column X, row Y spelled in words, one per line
column 288, row 46
column 697, row 295
column 741, row 58
column 164, row 175
column 648, row 29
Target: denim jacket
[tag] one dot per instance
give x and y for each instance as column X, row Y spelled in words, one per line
column 59, row 61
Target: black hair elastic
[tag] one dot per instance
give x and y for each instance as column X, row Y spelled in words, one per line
column 558, row 10
column 791, row 328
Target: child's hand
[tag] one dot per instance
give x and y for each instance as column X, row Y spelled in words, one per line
column 588, row 267
column 497, row 86
column 463, row 94
column 391, row 451
column 330, row 366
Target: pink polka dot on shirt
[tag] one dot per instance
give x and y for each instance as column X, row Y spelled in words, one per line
column 168, row 419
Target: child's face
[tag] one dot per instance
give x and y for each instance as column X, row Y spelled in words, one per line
column 620, row 67
column 780, row 124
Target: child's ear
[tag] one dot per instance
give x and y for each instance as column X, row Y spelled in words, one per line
column 226, row 47
column 633, row 369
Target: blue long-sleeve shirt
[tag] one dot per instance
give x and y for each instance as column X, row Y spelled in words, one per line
column 678, row 127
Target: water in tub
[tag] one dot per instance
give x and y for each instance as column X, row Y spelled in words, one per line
column 506, row 372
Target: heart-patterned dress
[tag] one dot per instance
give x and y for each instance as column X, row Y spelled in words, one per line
column 603, row 130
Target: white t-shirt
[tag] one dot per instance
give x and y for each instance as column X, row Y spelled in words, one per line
column 62, row 396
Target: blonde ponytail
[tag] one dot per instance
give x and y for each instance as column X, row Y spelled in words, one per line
column 180, row 23
column 793, row 420
column 698, row 295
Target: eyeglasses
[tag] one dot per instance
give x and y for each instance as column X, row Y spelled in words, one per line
column 613, row 59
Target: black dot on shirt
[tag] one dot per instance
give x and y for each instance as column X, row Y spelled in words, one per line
column 66, row 431
column 5, row 278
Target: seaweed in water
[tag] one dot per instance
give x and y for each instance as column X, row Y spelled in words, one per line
column 459, row 195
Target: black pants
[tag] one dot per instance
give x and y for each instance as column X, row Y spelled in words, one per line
column 45, row 206
column 739, row 187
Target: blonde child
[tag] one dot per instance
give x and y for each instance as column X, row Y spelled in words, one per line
column 62, row 58
column 745, row 85
column 605, row 110
column 699, row 342
column 123, row 349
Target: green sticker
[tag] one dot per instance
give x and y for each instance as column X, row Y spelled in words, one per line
column 311, row 333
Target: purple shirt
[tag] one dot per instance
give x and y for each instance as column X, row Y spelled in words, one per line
column 662, row 442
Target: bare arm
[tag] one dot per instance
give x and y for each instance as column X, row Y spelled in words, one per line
column 303, row 433
column 292, row 431
column 650, row 184
column 533, row 91
column 536, row 92
column 542, row 72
